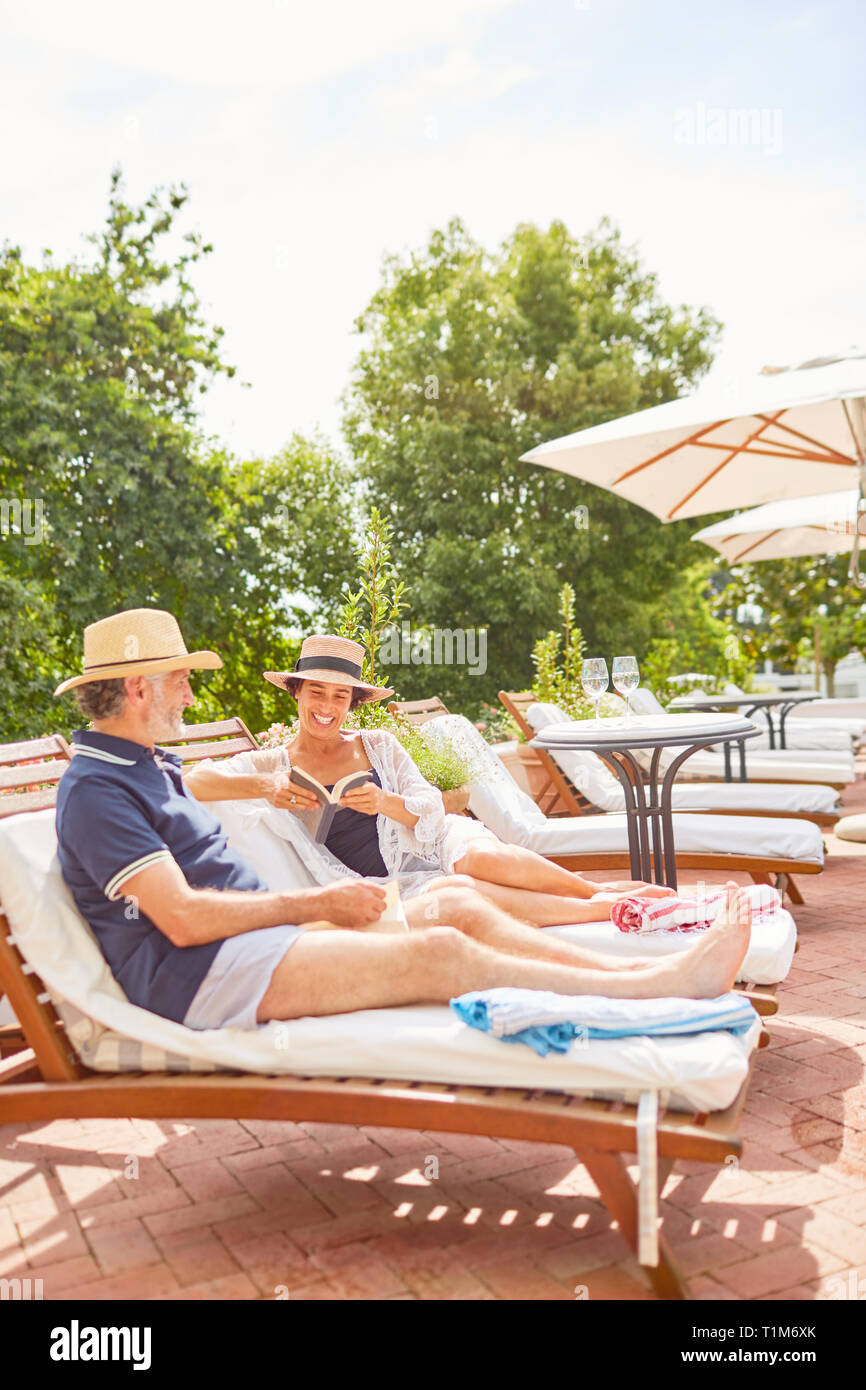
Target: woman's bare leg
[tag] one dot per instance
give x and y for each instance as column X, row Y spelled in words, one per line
column 516, row 867
column 535, row 908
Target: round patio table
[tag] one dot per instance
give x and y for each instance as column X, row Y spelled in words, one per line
column 648, row 805
column 749, row 704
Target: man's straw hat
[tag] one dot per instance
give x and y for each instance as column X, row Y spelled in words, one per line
column 334, row 659
column 140, row 642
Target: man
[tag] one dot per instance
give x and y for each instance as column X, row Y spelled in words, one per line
column 192, row 933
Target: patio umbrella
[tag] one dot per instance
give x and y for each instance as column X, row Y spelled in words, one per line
column 825, row 525
column 788, row 432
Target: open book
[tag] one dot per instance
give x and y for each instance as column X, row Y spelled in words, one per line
column 393, row 918
column 330, row 799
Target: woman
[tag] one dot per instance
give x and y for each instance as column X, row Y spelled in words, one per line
column 395, row 824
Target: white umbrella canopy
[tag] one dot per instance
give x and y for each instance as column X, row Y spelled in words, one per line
column 788, row 432
column 824, row 525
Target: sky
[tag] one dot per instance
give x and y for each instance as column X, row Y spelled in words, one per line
column 316, row 139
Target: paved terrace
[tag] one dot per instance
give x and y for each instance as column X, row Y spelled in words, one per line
column 226, row 1210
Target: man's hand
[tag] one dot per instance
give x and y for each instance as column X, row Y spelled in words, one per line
column 352, row 903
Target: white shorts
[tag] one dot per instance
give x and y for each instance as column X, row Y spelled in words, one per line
column 238, row 979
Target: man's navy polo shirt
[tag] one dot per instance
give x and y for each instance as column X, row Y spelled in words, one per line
column 121, row 807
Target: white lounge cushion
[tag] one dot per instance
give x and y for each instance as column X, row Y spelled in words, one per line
column 588, row 773
column 423, row 1042
column 771, row 765
column 799, row 797
column 584, row 769
column 815, row 738
column 756, row 836
column 845, row 711
column 852, row 828
column 767, row 962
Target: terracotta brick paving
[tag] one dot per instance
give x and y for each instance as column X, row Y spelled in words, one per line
column 219, row 1209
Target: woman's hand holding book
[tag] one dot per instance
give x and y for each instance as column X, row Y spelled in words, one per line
column 287, row 795
column 370, row 799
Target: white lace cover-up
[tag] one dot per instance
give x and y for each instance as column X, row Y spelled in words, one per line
column 413, row 856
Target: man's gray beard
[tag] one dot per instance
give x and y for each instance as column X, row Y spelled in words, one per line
column 169, row 728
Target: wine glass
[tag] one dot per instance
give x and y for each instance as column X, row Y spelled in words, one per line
column 626, row 678
column 594, row 679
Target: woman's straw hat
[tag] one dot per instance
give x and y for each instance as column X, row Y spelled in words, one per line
column 334, row 659
column 140, row 642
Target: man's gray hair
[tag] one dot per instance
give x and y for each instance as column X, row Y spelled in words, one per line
column 105, row 699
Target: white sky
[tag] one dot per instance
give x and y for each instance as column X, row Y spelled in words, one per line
column 314, row 139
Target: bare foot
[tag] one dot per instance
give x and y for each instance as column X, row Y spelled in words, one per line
column 710, row 967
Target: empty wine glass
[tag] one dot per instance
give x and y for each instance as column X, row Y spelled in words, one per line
column 594, row 679
column 626, row 678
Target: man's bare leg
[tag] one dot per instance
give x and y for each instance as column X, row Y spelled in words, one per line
column 516, row 867
column 338, row 971
column 453, row 901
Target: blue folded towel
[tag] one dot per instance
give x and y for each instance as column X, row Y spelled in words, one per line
column 550, row 1022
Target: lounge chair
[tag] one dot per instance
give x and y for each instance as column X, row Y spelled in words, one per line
column 83, row 1051
column 768, row 851
column 600, row 790
column 801, row 729
column 833, row 768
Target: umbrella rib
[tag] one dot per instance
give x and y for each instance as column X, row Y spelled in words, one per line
column 713, row 471
column 828, row 455
column 779, row 451
column 692, row 439
column 767, row 536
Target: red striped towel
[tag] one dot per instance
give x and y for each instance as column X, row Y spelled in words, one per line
column 687, row 914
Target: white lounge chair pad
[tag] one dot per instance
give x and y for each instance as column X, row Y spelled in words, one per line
column 591, row 776
column 424, row 1042
column 773, row 765
column 768, row 959
column 801, row 797
column 814, row 738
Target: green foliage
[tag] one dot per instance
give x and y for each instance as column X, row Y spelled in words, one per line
column 496, row 725
column 557, row 672
column 469, row 360
column 102, row 365
column 811, row 611
column 448, row 763
column 692, row 638
column 375, row 606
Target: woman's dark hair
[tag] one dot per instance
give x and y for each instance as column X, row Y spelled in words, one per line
column 292, row 686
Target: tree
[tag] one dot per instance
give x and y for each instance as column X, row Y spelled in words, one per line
column 691, row 637
column 102, row 366
column 101, row 362
column 469, row 360
column 809, row 608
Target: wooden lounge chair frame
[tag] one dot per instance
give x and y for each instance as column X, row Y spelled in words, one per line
column 41, row 1079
